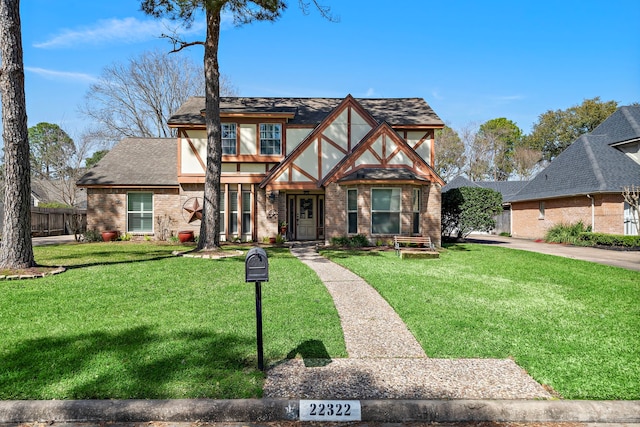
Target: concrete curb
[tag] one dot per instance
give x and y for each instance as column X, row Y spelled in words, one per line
column 266, row 410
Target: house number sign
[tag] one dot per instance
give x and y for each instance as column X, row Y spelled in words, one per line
column 330, row 410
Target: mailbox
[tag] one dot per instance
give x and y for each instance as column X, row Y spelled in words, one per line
column 256, row 266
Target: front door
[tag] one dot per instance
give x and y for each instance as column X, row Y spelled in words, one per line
column 306, row 217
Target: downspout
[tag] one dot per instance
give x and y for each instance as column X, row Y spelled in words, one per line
column 593, row 213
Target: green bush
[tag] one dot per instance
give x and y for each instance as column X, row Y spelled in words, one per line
column 357, row 241
column 615, row 240
column 468, row 209
column 566, row 233
column 92, row 236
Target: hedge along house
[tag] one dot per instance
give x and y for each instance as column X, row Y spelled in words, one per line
column 325, row 167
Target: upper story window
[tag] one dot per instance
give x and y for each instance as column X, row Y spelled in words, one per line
column 229, row 139
column 270, row 138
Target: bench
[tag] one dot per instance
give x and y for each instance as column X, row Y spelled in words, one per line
column 421, row 243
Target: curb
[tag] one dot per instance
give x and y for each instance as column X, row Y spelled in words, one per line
column 266, row 410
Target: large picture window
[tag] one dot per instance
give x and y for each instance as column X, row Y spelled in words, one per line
column 385, row 211
column 352, row 211
column 229, row 138
column 270, row 138
column 140, row 212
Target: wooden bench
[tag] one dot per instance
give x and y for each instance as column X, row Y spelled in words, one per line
column 421, row 243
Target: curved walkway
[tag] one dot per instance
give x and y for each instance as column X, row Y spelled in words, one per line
column 385, row 360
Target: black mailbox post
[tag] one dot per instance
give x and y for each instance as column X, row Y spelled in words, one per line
column 256, row 268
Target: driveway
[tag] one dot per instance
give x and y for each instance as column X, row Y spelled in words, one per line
column 617, row 258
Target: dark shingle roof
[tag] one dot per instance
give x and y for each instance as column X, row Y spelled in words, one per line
column 622, row 125
column 311, row 111
column 590, row 164
column 507, row 188
column 389, row 174
column 136, row 162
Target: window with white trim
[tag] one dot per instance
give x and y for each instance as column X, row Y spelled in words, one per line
column 352, row 211
column 270, row 138
column 229, row 139
column 233, row 212
column 416, row 210
column 222, row 205
column 246, row 212
column 139, row 212
column 385, row 210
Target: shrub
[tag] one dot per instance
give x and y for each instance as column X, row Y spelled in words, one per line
column 614, row 240
column 125, row 237
column 566, row 233
column 468, row 209
column 92, row 236
column 357, row 241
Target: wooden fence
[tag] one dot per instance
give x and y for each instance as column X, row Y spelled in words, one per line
column 57, row 221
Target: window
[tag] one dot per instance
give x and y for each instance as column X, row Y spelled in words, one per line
column 541, row 210
column 140, row 212
column 222, row 209
column 416, row 211
column 270, row 139
column 385, row 211
column 229, row 138
column 352, row 211
column 246, row 212
column 233, row 212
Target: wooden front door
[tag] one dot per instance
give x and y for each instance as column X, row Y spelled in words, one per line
column 306, row 217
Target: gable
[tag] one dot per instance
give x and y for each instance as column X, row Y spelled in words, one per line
column 324, row 148
column 383, row 148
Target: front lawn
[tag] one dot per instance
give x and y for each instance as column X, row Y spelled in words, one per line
column 573, row 325
column 129, row 320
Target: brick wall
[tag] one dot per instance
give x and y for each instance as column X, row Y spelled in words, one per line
column 608, row 214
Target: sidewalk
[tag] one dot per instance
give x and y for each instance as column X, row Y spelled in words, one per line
column 616, row 258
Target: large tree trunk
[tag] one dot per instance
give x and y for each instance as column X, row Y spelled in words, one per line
column 16, row 250
column 210, row 225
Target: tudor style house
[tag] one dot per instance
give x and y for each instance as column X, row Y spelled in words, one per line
column 322, row 167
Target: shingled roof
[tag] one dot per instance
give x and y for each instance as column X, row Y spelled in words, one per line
column 591, row 165
column 140, row 162
column 311, row 111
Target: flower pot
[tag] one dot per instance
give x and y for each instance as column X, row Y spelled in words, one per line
column 283, row 230
column 109, row 235
column 272, row 240
column 185, row 236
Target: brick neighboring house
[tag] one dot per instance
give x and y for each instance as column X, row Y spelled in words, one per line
column 327, row 167
column 585, row 182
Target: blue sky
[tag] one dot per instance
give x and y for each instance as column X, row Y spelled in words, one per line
column 472, row 61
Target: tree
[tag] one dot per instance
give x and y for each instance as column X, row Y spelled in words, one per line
column 95, row 158
column 136, row 98
column 50, row 148
column 16, row 250
column 526, row 161
column 556, row 130
column 450, row 157
column 243, row 12
column 499, row 137
column 468, row 209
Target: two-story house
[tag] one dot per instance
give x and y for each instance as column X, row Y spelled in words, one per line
column 326, row 167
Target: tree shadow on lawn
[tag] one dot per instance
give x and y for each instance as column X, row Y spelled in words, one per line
column 105, row 257
column 132, row 363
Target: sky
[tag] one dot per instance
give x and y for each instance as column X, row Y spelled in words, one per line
column 471, row 60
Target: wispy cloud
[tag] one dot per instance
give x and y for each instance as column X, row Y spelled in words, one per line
column 508, row 98
column 62, row 75
column 109, row 31
column 370, row 93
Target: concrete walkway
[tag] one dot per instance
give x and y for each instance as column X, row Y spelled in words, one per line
column 616, row 258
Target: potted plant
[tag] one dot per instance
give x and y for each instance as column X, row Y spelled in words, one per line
column 283, row 228
column 109, row 235
column 185, row 236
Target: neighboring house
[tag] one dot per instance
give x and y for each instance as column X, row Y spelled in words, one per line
column 57, row 191
column 326, row 167
column 508, row 189
column 585, row 182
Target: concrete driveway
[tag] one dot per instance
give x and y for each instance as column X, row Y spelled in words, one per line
column 617, row 258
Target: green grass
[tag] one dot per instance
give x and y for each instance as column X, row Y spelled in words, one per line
column 128, row 320
column 572, row 325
